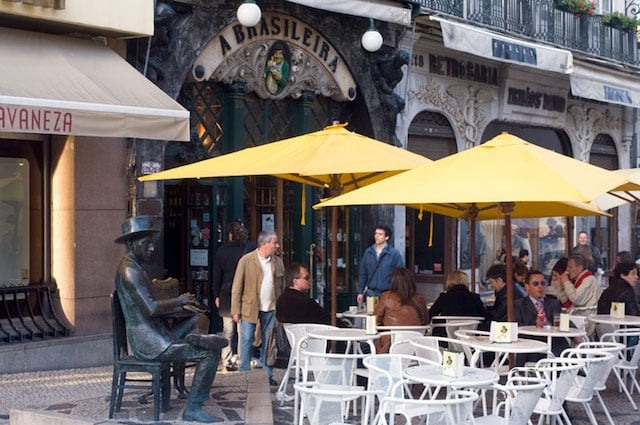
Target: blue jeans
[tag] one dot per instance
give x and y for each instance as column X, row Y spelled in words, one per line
column 247, row 330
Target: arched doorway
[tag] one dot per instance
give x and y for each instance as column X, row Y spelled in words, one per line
column 430, row 247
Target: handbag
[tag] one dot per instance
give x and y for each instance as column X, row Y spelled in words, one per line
column 272, row 347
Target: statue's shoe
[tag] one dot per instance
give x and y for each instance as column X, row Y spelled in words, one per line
column 199, row 415
column 208, row 341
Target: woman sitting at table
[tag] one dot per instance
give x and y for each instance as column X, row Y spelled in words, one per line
column 456, row 300
column 620, row 289
column 400, row 306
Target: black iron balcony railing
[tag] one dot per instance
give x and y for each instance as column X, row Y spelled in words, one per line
column 543, row 21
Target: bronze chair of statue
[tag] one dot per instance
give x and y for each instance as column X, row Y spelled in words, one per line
column 124, row 362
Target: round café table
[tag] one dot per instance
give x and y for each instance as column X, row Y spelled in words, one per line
column 352, row 336
column 503, row 349
column 551, row 332
column 633, row 321
column 431, row 376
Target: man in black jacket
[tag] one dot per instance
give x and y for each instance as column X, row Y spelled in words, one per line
column 497, row 275
column 294, row 305
column 621, row 289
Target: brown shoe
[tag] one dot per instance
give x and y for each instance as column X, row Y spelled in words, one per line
column 208, row 341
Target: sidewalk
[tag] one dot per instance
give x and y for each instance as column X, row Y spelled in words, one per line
column 64, row 396
column 81, row 397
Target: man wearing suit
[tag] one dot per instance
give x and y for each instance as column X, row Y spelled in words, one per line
column 145, row 316
column 527, row 312
column 257, row 284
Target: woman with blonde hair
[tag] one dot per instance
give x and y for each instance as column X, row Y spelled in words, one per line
column 401, row 305
column 457, row 300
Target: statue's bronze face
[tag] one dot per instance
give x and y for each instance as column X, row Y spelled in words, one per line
column 143, row 248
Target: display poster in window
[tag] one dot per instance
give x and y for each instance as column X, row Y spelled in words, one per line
column 199, row 257
column 268, row 223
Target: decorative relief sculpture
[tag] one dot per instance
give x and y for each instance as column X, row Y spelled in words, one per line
column 587, row 123
column 273, row 77
column 465, row 104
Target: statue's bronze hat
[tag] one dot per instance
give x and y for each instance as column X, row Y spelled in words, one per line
column 137, row 227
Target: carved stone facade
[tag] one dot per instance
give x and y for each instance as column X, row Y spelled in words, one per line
column 464, row 104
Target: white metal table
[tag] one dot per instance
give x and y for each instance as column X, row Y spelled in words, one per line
column 551, row 332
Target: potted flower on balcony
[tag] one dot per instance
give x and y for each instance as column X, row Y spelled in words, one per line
column 577, row 7
column 620, row 21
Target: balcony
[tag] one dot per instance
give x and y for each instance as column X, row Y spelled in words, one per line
column 541, row 21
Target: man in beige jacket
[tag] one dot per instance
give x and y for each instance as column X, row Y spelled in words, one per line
column 257, row 284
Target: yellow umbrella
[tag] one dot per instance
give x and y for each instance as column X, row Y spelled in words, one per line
column 334, row 158
column 502, row 178
column 628, row 192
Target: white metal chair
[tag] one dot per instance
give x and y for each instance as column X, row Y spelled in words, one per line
column 455, row 409
column 334, row 371
column 561, row 374
column 615, row 349
column 322, row 404
column 596, row 365
column 626, row 366
column 296, row 332
column 385, row 370
column 521, row 394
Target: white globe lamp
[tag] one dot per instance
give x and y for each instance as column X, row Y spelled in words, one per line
column 249, row 13
column 372, row 39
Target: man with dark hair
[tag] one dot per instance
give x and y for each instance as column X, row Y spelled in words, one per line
column 378, row 262
column 144, row 315
column 620, row 289
column 224, row 267
column 497, row 275
column 294, row 305
column 528, row 308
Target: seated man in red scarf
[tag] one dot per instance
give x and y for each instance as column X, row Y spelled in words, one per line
column 578, row 288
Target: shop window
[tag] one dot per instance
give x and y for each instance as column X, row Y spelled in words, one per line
column 22, row 242
column 14, row 219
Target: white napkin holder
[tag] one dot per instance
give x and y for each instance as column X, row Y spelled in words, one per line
column 452, row 363
column 503, row 332
column 371, row 327
column 565, row 322
column 617, row 310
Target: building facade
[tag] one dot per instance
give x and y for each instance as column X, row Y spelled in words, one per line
column 69, row 106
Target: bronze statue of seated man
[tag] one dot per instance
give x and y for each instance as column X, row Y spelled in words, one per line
column 144, row 313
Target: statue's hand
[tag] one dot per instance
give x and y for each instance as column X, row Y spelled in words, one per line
column 187, row 298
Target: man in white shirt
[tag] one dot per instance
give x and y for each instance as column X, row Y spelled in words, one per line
column 257, row 283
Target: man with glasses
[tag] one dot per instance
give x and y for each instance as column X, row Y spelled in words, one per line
column 534, row 304
column 294, row 305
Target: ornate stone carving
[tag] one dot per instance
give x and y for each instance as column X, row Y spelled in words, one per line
column 588, row 123
column 466, row 104
column 305, row 73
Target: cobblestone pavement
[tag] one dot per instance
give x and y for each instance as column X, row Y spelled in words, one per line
column 85, row 393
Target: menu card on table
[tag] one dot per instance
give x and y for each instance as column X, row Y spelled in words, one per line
column 503, row 332
column 564, row 322
column 452, row 363
column 617, row 310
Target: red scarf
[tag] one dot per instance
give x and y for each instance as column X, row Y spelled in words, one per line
column 584, row 275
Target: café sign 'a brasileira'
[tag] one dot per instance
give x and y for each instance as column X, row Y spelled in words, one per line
column 279, row 43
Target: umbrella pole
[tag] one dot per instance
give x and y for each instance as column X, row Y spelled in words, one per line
column 334, row 269
column 472, row 223
column 507, row 209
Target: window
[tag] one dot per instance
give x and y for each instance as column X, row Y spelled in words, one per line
column 14, row 221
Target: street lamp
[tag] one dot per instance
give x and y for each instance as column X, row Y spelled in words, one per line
column 249, row 13
column 372, row 39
